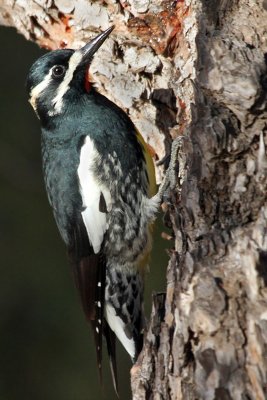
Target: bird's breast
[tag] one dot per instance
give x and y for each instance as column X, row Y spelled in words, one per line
column 60, row 165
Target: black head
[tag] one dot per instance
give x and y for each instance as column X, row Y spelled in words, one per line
column 60, row 74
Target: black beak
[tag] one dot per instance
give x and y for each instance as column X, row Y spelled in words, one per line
column 90, row 48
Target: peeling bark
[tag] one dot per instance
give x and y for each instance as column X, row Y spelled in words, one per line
column 196, row 69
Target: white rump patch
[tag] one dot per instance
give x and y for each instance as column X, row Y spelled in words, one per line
column 117, row 325
column 95, row 221
column 57, row 101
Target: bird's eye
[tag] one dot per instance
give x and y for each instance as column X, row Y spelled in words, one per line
column 58, row 71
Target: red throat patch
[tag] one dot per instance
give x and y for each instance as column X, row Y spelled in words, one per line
column 87, row 83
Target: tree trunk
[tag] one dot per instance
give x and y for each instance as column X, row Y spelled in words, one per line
column 194, row 72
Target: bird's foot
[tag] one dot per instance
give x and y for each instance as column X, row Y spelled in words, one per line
column 170, row 179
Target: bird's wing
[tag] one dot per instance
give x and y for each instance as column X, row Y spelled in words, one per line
column 90, row 269
column 90, row 277
column 111, row 347
column 96, row 201
column 96, row 197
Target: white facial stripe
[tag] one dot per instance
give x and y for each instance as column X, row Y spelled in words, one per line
column 38, row 89
column 57, row 101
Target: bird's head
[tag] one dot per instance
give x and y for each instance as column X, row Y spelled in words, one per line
column 60, row 74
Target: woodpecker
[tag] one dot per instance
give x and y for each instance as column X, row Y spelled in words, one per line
column 100, row 182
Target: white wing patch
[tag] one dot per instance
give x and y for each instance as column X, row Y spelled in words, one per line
column 117, row 325
column 95, row 221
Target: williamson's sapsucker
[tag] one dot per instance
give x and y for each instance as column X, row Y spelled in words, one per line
column 100, row 182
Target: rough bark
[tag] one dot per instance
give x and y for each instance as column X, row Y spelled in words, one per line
column 194, row 69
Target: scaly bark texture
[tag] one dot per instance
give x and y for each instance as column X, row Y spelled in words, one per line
column 193, row 71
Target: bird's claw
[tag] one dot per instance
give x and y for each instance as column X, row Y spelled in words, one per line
column 170, row 179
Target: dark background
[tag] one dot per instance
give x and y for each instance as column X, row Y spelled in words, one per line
column 46, row 346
